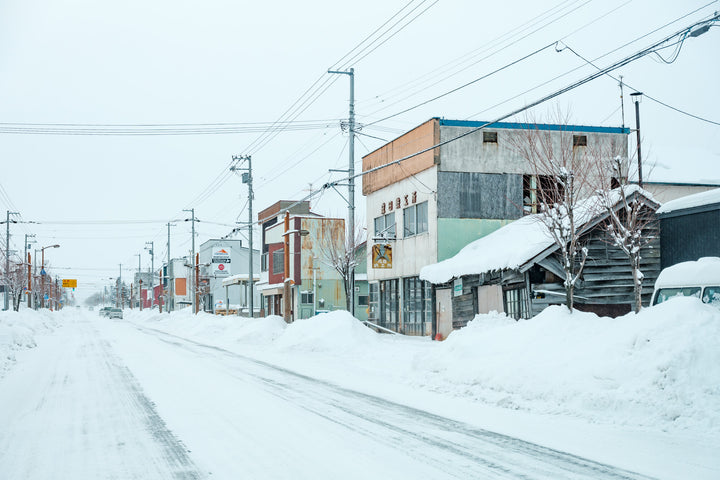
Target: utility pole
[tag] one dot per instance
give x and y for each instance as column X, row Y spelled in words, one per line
column 29, row 285
column 119, row 286
column 192, row 257
column 170, row 280
column 247, row 178
column 139, row 287
column 152, row 272
column 351, row 182
column 637, row 97
column 7, row 258
column 287, row 302
column 197, row 283
column 26, row 256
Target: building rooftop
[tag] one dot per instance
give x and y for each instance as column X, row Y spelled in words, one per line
column 533, row 126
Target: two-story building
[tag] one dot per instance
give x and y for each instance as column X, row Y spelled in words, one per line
column 316, row 285
column 429, row 206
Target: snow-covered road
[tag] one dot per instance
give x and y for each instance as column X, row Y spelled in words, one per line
column 111, row 399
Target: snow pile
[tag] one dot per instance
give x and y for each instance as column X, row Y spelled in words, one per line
column 705, row 271
column 659, row 368
column 220, row 329
column 18, row 331
column 336, row 331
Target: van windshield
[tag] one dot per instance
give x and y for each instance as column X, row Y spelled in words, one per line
column 712, row 296
column 668, row 293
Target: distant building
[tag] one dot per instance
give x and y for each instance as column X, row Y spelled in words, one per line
column 664, row 192
column 427, row 208
column 316, row 285
column 221, row 259
column 690, row 228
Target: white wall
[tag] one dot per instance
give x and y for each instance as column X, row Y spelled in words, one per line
column 411, row 254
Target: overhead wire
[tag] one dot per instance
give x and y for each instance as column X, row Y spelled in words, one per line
column 635, row 40
column 614, row 66
column 443, row 70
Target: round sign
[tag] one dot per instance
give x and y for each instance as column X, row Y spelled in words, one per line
column 221, row 267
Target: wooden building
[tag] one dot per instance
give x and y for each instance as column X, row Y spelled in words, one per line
column 517, row 270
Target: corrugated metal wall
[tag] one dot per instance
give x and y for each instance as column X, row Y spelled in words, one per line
column 689, row 237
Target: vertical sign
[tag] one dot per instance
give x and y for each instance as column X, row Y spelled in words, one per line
column 221, row 261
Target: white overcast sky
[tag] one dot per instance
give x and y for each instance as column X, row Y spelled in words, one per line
column 246, row 62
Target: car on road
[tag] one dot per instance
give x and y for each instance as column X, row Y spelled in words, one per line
column 115, row 313
column 104, row 311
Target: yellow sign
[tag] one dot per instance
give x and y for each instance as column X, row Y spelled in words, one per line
column 69, row 283
column 381, row 256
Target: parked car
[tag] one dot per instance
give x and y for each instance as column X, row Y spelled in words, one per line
column 699, row 279
column 115, row 313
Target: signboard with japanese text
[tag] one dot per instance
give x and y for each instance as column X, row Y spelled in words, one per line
column 69, row 283
column 381, row 256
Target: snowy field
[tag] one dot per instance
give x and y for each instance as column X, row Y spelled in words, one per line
column 640, row 392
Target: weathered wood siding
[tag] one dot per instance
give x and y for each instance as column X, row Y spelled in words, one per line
column 607, row 276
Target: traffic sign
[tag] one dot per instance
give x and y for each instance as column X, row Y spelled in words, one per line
column 42, row 272
column 69, row 283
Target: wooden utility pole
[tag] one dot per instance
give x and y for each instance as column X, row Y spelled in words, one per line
column 29, row 286
column 197, row 281
column 287, row 301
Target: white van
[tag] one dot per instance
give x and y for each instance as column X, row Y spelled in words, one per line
column 699, row 279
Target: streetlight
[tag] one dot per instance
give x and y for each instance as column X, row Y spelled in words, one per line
column 637, row 98
column 42, row 274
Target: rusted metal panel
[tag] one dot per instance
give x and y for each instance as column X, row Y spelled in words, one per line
column 417, row 139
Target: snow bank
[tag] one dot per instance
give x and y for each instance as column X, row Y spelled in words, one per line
column 336, row 331
column 18, row 331
column 659, row 368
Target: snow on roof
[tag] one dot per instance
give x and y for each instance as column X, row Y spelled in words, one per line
column 232, row 280
column 505, row 248
column 515, row 244
column 690, row 201
column 705, row 271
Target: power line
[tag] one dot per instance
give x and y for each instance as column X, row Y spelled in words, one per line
column 458, row 62
column 596, row 59
column 645, row 94
column 640, row 54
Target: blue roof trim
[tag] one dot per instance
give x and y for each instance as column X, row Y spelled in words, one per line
column 533, row 126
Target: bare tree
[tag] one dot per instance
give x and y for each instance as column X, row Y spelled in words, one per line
column 15, row 280
column 341, row 253
column 561, row 163
column 630, row 219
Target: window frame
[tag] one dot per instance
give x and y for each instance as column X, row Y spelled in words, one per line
column 417, row 222
column 385, row 231
column 279, row 252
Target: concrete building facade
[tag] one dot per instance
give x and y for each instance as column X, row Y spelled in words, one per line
column 428, row 207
